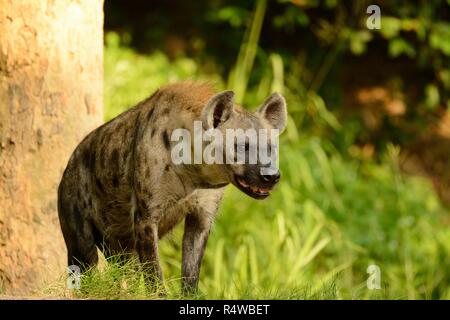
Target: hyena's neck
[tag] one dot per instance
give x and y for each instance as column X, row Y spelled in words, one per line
column 201, row 176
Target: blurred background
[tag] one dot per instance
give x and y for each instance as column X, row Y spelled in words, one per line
column 364, row 160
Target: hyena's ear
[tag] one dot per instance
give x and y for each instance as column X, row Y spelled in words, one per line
column 218, row 109
column 274, row 110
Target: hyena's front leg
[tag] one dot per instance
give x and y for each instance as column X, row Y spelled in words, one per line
column 196, row 232
column 146, row 233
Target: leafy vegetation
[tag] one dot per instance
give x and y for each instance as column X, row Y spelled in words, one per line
column 336, row 210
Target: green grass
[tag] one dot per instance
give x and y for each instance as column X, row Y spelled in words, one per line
column 130, row 77
column 331, row 217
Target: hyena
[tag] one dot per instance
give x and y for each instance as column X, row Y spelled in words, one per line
column 121, row 191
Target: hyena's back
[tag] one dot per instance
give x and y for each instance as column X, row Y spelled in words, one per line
column 97, row 192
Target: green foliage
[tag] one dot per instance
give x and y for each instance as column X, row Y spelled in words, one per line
column 132, row 77
column 239, row 76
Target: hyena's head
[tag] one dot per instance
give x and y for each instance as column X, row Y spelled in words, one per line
column 250, row 141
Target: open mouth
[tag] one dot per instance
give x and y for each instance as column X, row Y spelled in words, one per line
column 253, row 191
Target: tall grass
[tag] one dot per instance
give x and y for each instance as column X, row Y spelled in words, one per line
column 239, row 76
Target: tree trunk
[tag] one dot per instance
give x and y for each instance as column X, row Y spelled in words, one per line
column 51, row 87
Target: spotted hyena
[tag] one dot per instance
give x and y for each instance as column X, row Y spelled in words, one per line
column 121, row 191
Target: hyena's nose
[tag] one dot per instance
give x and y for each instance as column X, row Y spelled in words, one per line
column 272, row 178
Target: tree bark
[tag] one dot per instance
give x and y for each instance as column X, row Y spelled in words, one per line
column 51, row 95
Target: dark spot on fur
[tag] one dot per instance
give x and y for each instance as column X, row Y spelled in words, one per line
column 137, row 130
column 127, row 132
column 164, row 112
column 137, row 216
column 105, row 138
column 147, row 230
column 86, row 158
column 115, row 180
column 153, row 132
column 165, row 138
column 143, row 204
column 150, row 114
column 166, row 168
column 140, row 235
column 138, row 246
column 147, row 173
column 99, row 185
column 103, row 157
column 98, row 236
column 115, row 156
column 171, row 97
column 138, row 186
column 147, row 247
column 77, row 218
column 101, row 139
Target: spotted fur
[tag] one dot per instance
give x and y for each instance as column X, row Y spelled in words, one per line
column 121, row 191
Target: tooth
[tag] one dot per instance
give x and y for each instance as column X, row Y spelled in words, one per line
column 242, row 183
